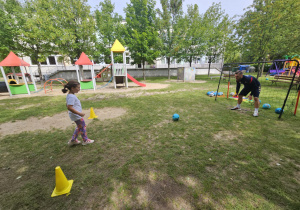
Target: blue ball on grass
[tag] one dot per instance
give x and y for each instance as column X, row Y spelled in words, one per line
column 175, row 117
column 209, row 92
column 278, row 110
column 266, row 106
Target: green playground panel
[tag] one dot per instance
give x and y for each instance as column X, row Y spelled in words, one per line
column 31, row 87
column 86, row 85
column 17, row 89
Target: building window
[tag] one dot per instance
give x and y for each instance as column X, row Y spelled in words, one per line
column 52, row 60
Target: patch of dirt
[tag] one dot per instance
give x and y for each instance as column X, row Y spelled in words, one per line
column 225, row 135
column 181, row 81
column 107, row 89
column 27, row 106
column 58, row 121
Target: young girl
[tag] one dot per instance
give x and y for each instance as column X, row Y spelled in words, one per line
column 75, row 113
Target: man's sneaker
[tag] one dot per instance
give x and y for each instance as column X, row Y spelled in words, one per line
column 89, row 141
column 255, row 114
column 235, row 108
column 71, row 143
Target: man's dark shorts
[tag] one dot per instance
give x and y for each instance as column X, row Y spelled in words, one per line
column 247, row 90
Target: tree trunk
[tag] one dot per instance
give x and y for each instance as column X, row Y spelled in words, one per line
column 169, row 76
column 40, row 72
column 258, row 70
column 144, row 70
column 262, row 68
column 209, row 68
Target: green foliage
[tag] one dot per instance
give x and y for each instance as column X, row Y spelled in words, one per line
column 141, row 31
column 9, row 27
column 109, row 27
column 268, row 30
column 194, row 41
column 171, row 28
column 218, row 28
column 75, row 28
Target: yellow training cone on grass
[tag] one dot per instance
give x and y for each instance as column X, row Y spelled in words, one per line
column 63, row 186
column 92, row 114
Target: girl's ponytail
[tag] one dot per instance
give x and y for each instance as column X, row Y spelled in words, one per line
column 69, row 86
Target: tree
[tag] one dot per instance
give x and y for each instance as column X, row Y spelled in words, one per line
column 169, row 29
column 218, row 25
column 268, row 30
column 193, row 42
column 9, row 17
column 232, row 52
column 109, row 27
column 37, row 30
column 76, row 28
column 141, row 32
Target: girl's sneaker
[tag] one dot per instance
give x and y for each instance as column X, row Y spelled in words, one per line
column 71, row 143
column 89, row 141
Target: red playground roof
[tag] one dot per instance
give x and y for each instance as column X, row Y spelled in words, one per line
column 83, row 60
column 13, row 60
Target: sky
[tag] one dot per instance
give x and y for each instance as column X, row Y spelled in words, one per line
column 231, row 7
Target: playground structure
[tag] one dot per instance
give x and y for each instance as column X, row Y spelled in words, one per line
column 49, row 83
column 278, row 67
column 284, row 96
column 292, row 65
column 285, row 66
column 17, row 83
column 119, row 71
column 99, row 75
column 85, row 83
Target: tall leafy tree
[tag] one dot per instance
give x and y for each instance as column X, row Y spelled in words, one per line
column 193, row 41
column 169, row 29
column 37, row 30
column 76, row 28
column 232, row 52
column 9, row 28
column 217, row 31
column 109, row 27
column 141, row 32
column 268, row 30
column 287, row 39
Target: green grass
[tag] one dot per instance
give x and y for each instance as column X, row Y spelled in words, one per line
column 212, row 158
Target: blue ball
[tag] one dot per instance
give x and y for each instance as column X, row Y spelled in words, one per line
column 209, row 92
column 220, row 93
column 278, row 110
column 175, row 117
column 267, row 78
column 266, row 106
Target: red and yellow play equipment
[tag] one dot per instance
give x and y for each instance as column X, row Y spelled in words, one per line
column 85, row 83
column 17, row 83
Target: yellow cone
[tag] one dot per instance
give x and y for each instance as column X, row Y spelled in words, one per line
column 63, row 186
column 92, row 114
